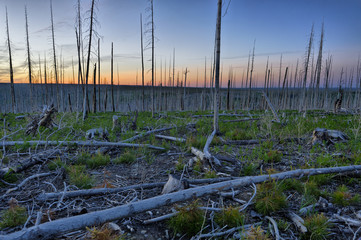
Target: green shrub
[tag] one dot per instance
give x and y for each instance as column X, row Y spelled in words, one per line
column 270, row 198
column 79, row 177
column 230, row 217
column 292, row 184
column 13, row 217
column 98, row 160
column 188, row 220
column 82, row 158
column 210, row 174
column 273, row 156
column 317, row 227
column 127, row 157
column 343, row 197
column 53, row 165
column 196, row 141
column 249, row 170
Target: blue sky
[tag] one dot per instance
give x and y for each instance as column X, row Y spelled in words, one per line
column 278, row 26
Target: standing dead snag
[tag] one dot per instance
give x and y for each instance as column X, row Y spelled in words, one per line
column 11, row 65
column 44, row 120
column 338, row 101
column 217, row 60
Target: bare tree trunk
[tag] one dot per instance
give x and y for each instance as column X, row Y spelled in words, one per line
column 319, row 65
column 250, row 76
column 46, row 83
column 111, row 79
column 54, row 55
column 151, row 2
column 99, row 75
column 95, row 89
column 141, row 51
column 309, row 48
column 12, row 89
column 217, row 61
column 85, row 110
column 29, row 59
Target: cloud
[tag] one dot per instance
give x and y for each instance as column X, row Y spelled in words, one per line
column 58, row 26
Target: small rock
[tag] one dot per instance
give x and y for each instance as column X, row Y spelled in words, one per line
column 143, row 232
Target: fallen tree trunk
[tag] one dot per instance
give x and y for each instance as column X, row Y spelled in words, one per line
column 33, row 160
column 55, row 228
column 242, row 120
column 145, row 134
column 175, row 139
column 81, row 143
column 100, row 191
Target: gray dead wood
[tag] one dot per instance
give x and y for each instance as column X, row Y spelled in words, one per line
column 221, row 115
column 29, row 162
column 174, row 184
column 298, row 221
column 242, row 120
column 277, row 233
column 28, row 179
column 145, row 134
column 102, row 191
column 320, row 135
column 271, row 107
column 206, row 152
column 55, row 228
column 44, row 120
column 175, row 139
column 95, row 133
column 116, row 123
column 82, row 143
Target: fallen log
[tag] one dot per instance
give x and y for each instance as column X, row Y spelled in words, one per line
column 206, row 152
column 242, row 120
column 145, row 134
column 81, row 143
column 175, row 139
column 31, row 161
column 57, row 227
column 100, row 191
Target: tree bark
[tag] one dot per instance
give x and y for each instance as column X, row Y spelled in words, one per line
column 12, row 89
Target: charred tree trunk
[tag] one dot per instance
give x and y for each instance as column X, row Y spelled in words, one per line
column 99, row 74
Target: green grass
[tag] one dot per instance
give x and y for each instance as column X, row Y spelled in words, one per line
column 98, row 160
column 57, row 163
column 343, row 197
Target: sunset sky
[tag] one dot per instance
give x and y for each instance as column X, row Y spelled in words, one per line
column 277, row 26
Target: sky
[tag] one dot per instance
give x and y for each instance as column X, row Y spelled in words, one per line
column 187, row 27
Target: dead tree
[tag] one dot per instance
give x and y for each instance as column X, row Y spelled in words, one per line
column 111, row 78
column 29, row 58
column 95, row 89
column 12, row 89
column 217, row 61
column 250, row 76
column 307, row 61
column 88, row 60
column 99, row 74
column 142, row 57
column 152, row 13
column 319, row 65
column 54, row 56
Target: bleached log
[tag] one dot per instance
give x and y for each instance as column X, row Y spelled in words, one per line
column 298, row 221
column 271, row 107
column 82, row 143
column 175, row 139
column 145, row 134
column 275, row 227
column 242, row 120
column 206, row 152
column 103, row 191
column 57, row 227
column 348, row 221
column 221, row 115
